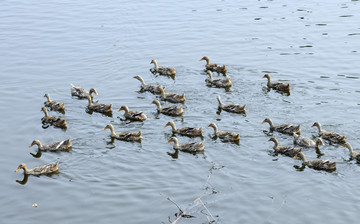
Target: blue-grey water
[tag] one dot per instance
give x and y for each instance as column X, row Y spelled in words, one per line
column 46, row 45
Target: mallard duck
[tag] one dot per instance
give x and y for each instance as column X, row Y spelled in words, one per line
column 45, row 169
column 224, row 135
column 330, row 136
column 148, row 87
column 55, row 146
column 125, row 136
column 234, row 108
column 54, row 105
column 133, row 115
column 188, row 147
column 171, row 97
column 220, row 83
column 287, row 150
column 186, row 131
column 56, row 121
column 317, row 164
column 82, row 93
column 162, row 70
column 101, row 108
column 168, row 110
column 306, row 142
column 213, row 67
column 277, row 85
column 353, row 154
column 284, row 128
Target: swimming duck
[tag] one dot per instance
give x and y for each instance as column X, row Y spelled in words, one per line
column 330, row 136
column 353, row 154
column 220, row 83
column 317, row 164
column 306, row 142
column 188, row 147
column 82, row 93
column 284, row 128
column 45, row 169
column 133, row 115
column 55, row 146
column 277, row 85
column 54, row 105
column 224, row 135
column 162, row 70
column 56, row 121
column 186, row 131
column 125, row 136
column 171, row 97
column 213, row 67
column 287, row 150
column 168, row 110
column 101, row 108
column 148, row 87
column 234, row 108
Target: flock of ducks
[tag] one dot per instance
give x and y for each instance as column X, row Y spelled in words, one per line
column 177, row 110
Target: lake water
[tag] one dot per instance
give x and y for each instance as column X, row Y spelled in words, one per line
column 46, row 45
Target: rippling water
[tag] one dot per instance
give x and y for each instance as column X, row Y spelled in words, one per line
column 46, row 45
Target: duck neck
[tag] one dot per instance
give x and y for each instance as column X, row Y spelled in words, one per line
column 141, row 80
column 350, row 148
column 90, row 102
column 207, row 61
column 38, row 143
column 276, row 143
column 126, row 109
column 26, row 170
column 319, row 127
column 172, row 124
column 302, row 157
column 47, row 97
column 162, row 91
column 270, row 123
column 45, row 112
column 210, row 76
column 156, row 65
column 215, row 128
column 112, row 130
column 158, row 105
column 219, row 100
column 269, row 80
column 176, row 143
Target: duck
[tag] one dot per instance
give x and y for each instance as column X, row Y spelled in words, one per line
column 186, row 131
column 306, row 142
column 317, row 164
column 125, row 136
column 168, row 110
column 225, row 135
column 171, row 97
column 39, row 170
column 353, row 154
column 213, row 67
column 54, row 105
column 332, row 137
column 55, row 121
column 82, row 93
column 220, row 83
column 133, row 115
column 162, row 70
column 286, row 150
column 101, row 108
column 234, row 108
column 284, row 128
column 277, row 85
column 188, row 147
column 55, row 146
column 148, row 87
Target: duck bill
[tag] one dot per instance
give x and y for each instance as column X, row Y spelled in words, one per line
column 120, row 110
column 296, row 157
column 31, row 145
column 263, row 122
column 17, row 169
column 165, row 125
column 263, row 76
column 169, row 141
column 202, row 59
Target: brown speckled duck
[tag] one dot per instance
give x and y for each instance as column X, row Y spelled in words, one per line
column 171, row 97
column 148, row 87
column 306, row 142
column 277, row 85
column 55, row 146
column 286, row 150
column 186, row 131
column 125, row 136
column 284, row 128
column 133, row 115
column 234, row 108
column 213, row 67
column 54, row 105
column 353, row 154
column 55, row 121
column 162, row 70
column 317, row 164
column 45, row 169
column 168, row 110
column 188, row 147
column 220, row 83
column 82, row 93
column 225, row 135
column 101, row 108
column 330, row 136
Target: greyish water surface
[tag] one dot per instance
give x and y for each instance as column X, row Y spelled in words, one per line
column 46, row 45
